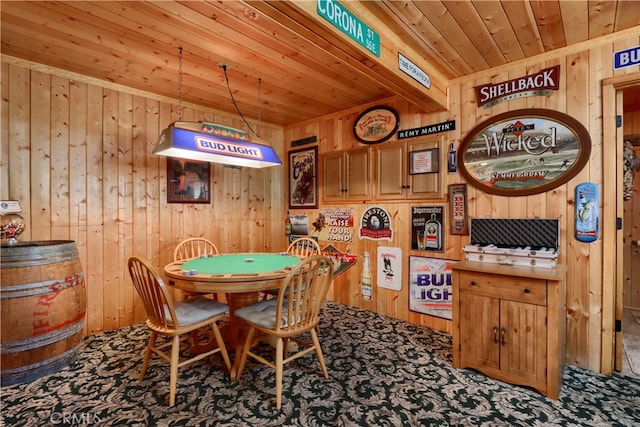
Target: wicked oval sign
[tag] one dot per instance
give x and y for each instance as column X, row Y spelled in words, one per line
column 524, row 152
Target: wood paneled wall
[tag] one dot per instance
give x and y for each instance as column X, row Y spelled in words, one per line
column 579, row 96
column 78, row 158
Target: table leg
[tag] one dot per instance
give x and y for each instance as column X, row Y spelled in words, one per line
column 237, row 328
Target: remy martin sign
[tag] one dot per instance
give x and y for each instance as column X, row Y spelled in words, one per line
column 539, row 84
column 427, row 130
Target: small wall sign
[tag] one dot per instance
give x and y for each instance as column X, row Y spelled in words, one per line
column 458, row 222
column 586, row 212
column 375, row 224
column 304, row 141
column 427, row 130
column 538, row 84
column 427, row 230
column 10, row 206
column 351, row 25
column 524, row 152
column 376, row 125
column 389, row 268
column 335, row 224
column 626, row 58
column 341, row 260
column 418, row 74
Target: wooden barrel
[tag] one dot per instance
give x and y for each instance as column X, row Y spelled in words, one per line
column 43, row 304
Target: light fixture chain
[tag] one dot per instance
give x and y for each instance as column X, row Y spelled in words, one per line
column 180, row 85
column 259, row 106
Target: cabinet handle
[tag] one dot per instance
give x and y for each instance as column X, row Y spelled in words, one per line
column 502, row 336
column 495, row 334
column 473, row 283
column 526, row 290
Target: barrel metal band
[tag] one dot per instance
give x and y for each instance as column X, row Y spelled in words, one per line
column 29, row 289
column 36, row 370
column 42, row 340
column 11, row 260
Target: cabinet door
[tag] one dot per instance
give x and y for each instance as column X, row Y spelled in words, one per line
column 391, row 172
column 333, row 180
column 523, row 345
column 358, row 174
column 426, row 185
column 479, row 331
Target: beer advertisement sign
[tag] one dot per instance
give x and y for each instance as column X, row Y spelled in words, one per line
column 427, row 230
column 431, row 284
column 524, row 152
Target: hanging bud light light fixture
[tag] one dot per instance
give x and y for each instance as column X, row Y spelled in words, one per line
column 210, row 142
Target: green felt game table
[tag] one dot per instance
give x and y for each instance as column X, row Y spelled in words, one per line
column 230, row 265
column 240, row 276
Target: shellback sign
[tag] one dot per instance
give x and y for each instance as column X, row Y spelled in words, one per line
column 539, row 84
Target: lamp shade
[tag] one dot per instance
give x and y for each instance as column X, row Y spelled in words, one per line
column 214, row 143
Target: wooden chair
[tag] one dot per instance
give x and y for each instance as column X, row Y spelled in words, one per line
column 304, row 247
column 174, row 320
column 193, row 248
column 294, row 312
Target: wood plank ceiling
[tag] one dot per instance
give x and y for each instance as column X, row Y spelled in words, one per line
column 285, row 64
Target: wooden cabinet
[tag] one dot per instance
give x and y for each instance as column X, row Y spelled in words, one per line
column 347, row 176
column 509, row 323
column 393, row 180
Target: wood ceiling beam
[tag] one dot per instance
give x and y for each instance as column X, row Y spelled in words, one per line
column 302, row 17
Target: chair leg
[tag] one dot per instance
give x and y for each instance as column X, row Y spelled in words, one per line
column 221, row 346
column 173, row 379
column 279, row 369
column 147, row 355
column 316, row 343
column 245, row 350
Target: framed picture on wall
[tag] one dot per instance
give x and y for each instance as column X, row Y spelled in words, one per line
column 303, row 178
column 424, row 161
column 188, row 181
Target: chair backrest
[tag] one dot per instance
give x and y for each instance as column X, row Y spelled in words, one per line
column 302, row 293
column 154, row 294
column 193, row 248
column 304, row 247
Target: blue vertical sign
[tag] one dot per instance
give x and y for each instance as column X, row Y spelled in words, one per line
column 351, row 25
column 587, row 206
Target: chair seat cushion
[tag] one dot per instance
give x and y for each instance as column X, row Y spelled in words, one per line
column 196, row 309
column 262, row 314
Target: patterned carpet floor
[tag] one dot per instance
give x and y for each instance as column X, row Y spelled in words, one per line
column 383, row 372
